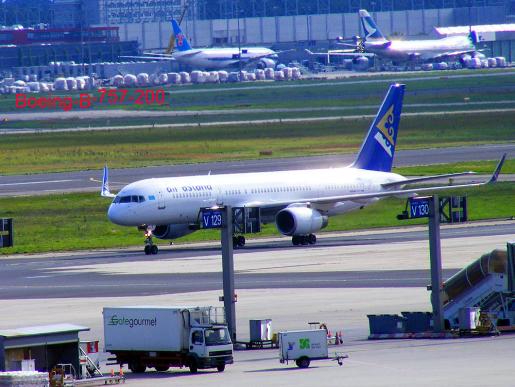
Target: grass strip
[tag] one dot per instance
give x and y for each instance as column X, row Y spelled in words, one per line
column 54, row 152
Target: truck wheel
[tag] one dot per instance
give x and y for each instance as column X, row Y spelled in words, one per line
column 193, row 366
column 220, row 367
column 137, row 368
column 161, row 368
column 303, row 362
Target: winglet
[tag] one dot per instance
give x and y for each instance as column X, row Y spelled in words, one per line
column 104, row 192
column 497, row 171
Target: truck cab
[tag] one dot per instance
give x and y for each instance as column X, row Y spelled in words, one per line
column 210, row 346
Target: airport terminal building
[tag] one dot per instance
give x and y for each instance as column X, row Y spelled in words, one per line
column 76, row 26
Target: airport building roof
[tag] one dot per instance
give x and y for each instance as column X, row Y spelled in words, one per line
column 42, row 330
column 463, row 30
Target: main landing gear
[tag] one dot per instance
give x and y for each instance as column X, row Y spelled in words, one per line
column 310, row 239
column 238, row 241
column 150, row 247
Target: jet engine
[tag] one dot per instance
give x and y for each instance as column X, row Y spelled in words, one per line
column 360, row 63
column 172, row 231
column 265, row 63
column 299, row 221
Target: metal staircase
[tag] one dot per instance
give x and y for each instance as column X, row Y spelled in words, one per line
column 487, row 283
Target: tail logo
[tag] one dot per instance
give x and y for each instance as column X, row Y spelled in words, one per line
column 180, row 40
column 385, row 133
column 368, row 27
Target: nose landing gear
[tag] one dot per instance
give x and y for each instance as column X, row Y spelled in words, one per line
column 150, row 247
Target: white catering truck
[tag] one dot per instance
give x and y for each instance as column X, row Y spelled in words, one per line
column 168, row 336
column 304, row 346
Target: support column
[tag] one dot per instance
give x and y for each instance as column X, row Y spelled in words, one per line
column 436, row 264
column 228, row 272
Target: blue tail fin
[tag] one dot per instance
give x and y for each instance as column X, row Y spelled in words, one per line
column 181, row 43
column 104, row 191
column 369, row 26
column 378, row 149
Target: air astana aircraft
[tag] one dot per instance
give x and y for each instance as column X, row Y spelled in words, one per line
column 414, row 50
column 300, row 202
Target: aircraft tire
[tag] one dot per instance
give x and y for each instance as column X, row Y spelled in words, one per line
column 154, row 249
column 312, row 239
column 241, row 241
column 295, row 240
column 148, row 250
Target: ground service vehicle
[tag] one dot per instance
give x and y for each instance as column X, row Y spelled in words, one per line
column 168, row 336
column 303, row 346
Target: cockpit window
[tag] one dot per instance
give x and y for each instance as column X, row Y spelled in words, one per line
column 129, row 199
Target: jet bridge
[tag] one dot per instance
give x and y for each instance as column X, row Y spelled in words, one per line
column 487, row 283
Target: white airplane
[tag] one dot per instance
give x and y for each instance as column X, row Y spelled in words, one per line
column 413, row 50
column 215, row 58
column 299, row 202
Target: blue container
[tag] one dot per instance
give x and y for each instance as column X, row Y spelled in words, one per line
column 417, row 322
column 386, row 323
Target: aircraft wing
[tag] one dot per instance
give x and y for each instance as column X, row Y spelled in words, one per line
column 147, row 57
column 424, row 179
column 348, row 53
column 378, row 194
column 150, row 56
column 454, row 53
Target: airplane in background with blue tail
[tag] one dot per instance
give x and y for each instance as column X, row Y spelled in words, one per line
column 215, row 58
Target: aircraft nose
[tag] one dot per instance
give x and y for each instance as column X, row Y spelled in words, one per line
column 115, row 215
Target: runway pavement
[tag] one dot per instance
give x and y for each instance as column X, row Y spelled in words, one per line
column 82, row 181
column 263, row 264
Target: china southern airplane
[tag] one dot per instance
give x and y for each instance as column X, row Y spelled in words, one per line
column 413, row 50
column 214, row 58
column 300, row 202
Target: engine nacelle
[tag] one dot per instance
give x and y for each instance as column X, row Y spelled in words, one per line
column 299, row 221
column 265, row 63
column 172, row 231
column 360, row 63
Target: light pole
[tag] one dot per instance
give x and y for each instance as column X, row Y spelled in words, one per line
column 239, row 40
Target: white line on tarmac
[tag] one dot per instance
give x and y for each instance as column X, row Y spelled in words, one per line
column 38, row 182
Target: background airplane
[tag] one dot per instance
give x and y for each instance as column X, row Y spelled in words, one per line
column 412, row 50
column 299, row 202
column 215, row 58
